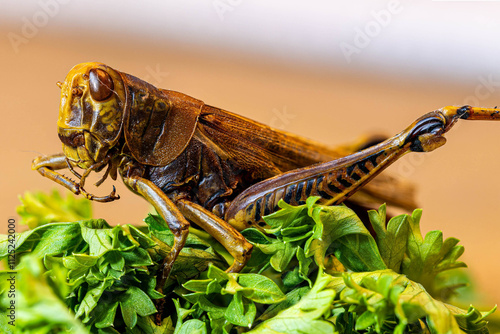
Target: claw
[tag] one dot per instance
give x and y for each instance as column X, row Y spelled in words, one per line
column 109, row 198
column 78, row 187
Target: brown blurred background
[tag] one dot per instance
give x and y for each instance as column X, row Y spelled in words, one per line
column 329, row 71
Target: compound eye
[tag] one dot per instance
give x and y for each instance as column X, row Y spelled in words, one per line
column 100, row 84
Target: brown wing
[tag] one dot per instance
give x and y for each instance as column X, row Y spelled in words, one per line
column 253, row 145
column 268, row 152
column 159, row 123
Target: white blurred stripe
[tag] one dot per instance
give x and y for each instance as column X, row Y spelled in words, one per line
column 459, row 39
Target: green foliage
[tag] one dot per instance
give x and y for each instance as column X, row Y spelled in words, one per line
column 307, row 315
column 245, row 291
column 39, row 208
column 305, row 234
column 316, row 269
column 427, row 257
column 39, row 299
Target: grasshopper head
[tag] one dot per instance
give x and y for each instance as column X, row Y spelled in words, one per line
column 91, row 112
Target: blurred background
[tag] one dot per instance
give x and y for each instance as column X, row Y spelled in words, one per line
column 327, row 70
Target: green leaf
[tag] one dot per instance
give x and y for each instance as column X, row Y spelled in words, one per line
column 359, row 252
column 354, row 246
column 285, row 217
column 391, row 241
column 292, row 325
column 198, row 285
column 90, row 300
column 291, row 279
column 292, row 298
column 255, row 287
column 129, row 315
column 241, row 311
column 216, row 314
column 282, row 254
column 366, row 320
column 377, row 298
column 260, row 289
column 296, row 233
column 100, row 240
column 217, row 273
column 38, row 208
column 105, row 314
column 116, row 260
column 378, row 220
column 135, row 301
column 136, row 235
column 304, row 265
column 192, row 261
column 205, row 304
column 49, row 239
column 302, row 317
column 439, row 318
column 148, row 326
column 193, row 326
column 77, row 261
column 181, row 315
column 427, row 257
column 256, row 236
column 137, row 257
column 472, row 320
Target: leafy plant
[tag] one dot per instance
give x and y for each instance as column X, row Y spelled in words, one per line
column 316, row 269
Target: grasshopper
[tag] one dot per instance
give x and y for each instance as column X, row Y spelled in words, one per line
column 200, row 164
